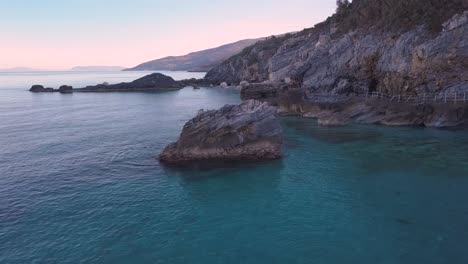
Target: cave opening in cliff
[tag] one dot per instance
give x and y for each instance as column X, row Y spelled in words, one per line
column 373, row 85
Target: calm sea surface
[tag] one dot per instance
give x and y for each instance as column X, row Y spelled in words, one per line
column 79, row 183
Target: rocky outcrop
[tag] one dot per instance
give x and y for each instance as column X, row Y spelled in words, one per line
column 260, row 91
column 65, row 89
column 249, row 131
column 40, row 89
column 356, row 52
column 250, row 65
column 155, row 81
column 382, row 112
column 413, row 62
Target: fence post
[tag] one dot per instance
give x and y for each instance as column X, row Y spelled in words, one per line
column 455, row 98
column 399, row 98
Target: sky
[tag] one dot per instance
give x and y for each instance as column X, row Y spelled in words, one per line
column 60, row 34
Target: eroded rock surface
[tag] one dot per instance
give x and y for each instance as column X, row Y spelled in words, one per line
column 249, row 131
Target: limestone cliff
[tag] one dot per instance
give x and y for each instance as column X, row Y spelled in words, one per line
column 398, row 49
column 388, row 46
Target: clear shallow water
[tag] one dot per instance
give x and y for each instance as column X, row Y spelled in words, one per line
column 79, row 182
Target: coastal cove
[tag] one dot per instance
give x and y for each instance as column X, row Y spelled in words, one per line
column 80, row 182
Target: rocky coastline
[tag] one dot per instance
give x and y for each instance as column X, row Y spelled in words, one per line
column 346, row 63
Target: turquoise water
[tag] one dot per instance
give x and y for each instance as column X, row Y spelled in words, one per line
column 79, row 183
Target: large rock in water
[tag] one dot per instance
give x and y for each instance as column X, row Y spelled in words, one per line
column 249, row 131
column 154, row 81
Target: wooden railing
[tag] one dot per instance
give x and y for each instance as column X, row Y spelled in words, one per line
column 456, row 97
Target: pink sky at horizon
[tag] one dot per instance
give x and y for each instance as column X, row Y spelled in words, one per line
column 53, row 45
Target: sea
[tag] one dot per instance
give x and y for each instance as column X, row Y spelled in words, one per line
column 80, row 183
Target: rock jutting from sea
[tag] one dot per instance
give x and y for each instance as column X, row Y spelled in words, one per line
column 154, row 81
column 249, row 131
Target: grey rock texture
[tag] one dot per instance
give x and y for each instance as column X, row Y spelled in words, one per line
column 413, row 62
column 374, row 111
column 249, row 131
column 266, row 92
column 250, row 65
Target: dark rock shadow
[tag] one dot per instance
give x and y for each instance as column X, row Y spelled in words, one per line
column 201, row 170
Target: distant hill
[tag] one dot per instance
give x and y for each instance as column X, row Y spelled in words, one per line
column 97, row 68
column 196, row 61
column 19, row 69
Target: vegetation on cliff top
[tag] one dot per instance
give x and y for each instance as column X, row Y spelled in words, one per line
column 377, row 16
column 395, row 15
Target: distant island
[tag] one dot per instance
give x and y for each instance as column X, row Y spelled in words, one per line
column 97, row 68
column 200, row 61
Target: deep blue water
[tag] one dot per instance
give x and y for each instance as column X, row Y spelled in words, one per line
column 79, row 183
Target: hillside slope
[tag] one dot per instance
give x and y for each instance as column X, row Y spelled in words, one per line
column 196, row 61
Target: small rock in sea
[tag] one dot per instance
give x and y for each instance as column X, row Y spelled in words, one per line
column 37, row 88
column 224, row 85
column 65, row 89
column 250, row 131
column 40, row 89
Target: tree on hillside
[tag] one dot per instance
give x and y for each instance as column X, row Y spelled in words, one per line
column 341, row 5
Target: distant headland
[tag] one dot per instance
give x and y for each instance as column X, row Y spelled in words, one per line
column 97, row 68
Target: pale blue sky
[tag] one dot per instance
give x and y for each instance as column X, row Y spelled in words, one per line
column 60, row 34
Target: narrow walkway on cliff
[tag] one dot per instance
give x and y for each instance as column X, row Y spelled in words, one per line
column 444, row 98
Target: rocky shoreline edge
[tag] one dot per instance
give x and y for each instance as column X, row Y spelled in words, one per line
column 250, row 131
column 435, row 110
column 430, row 110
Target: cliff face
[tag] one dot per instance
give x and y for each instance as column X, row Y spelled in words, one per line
column 360, row 50
column 252, row 64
